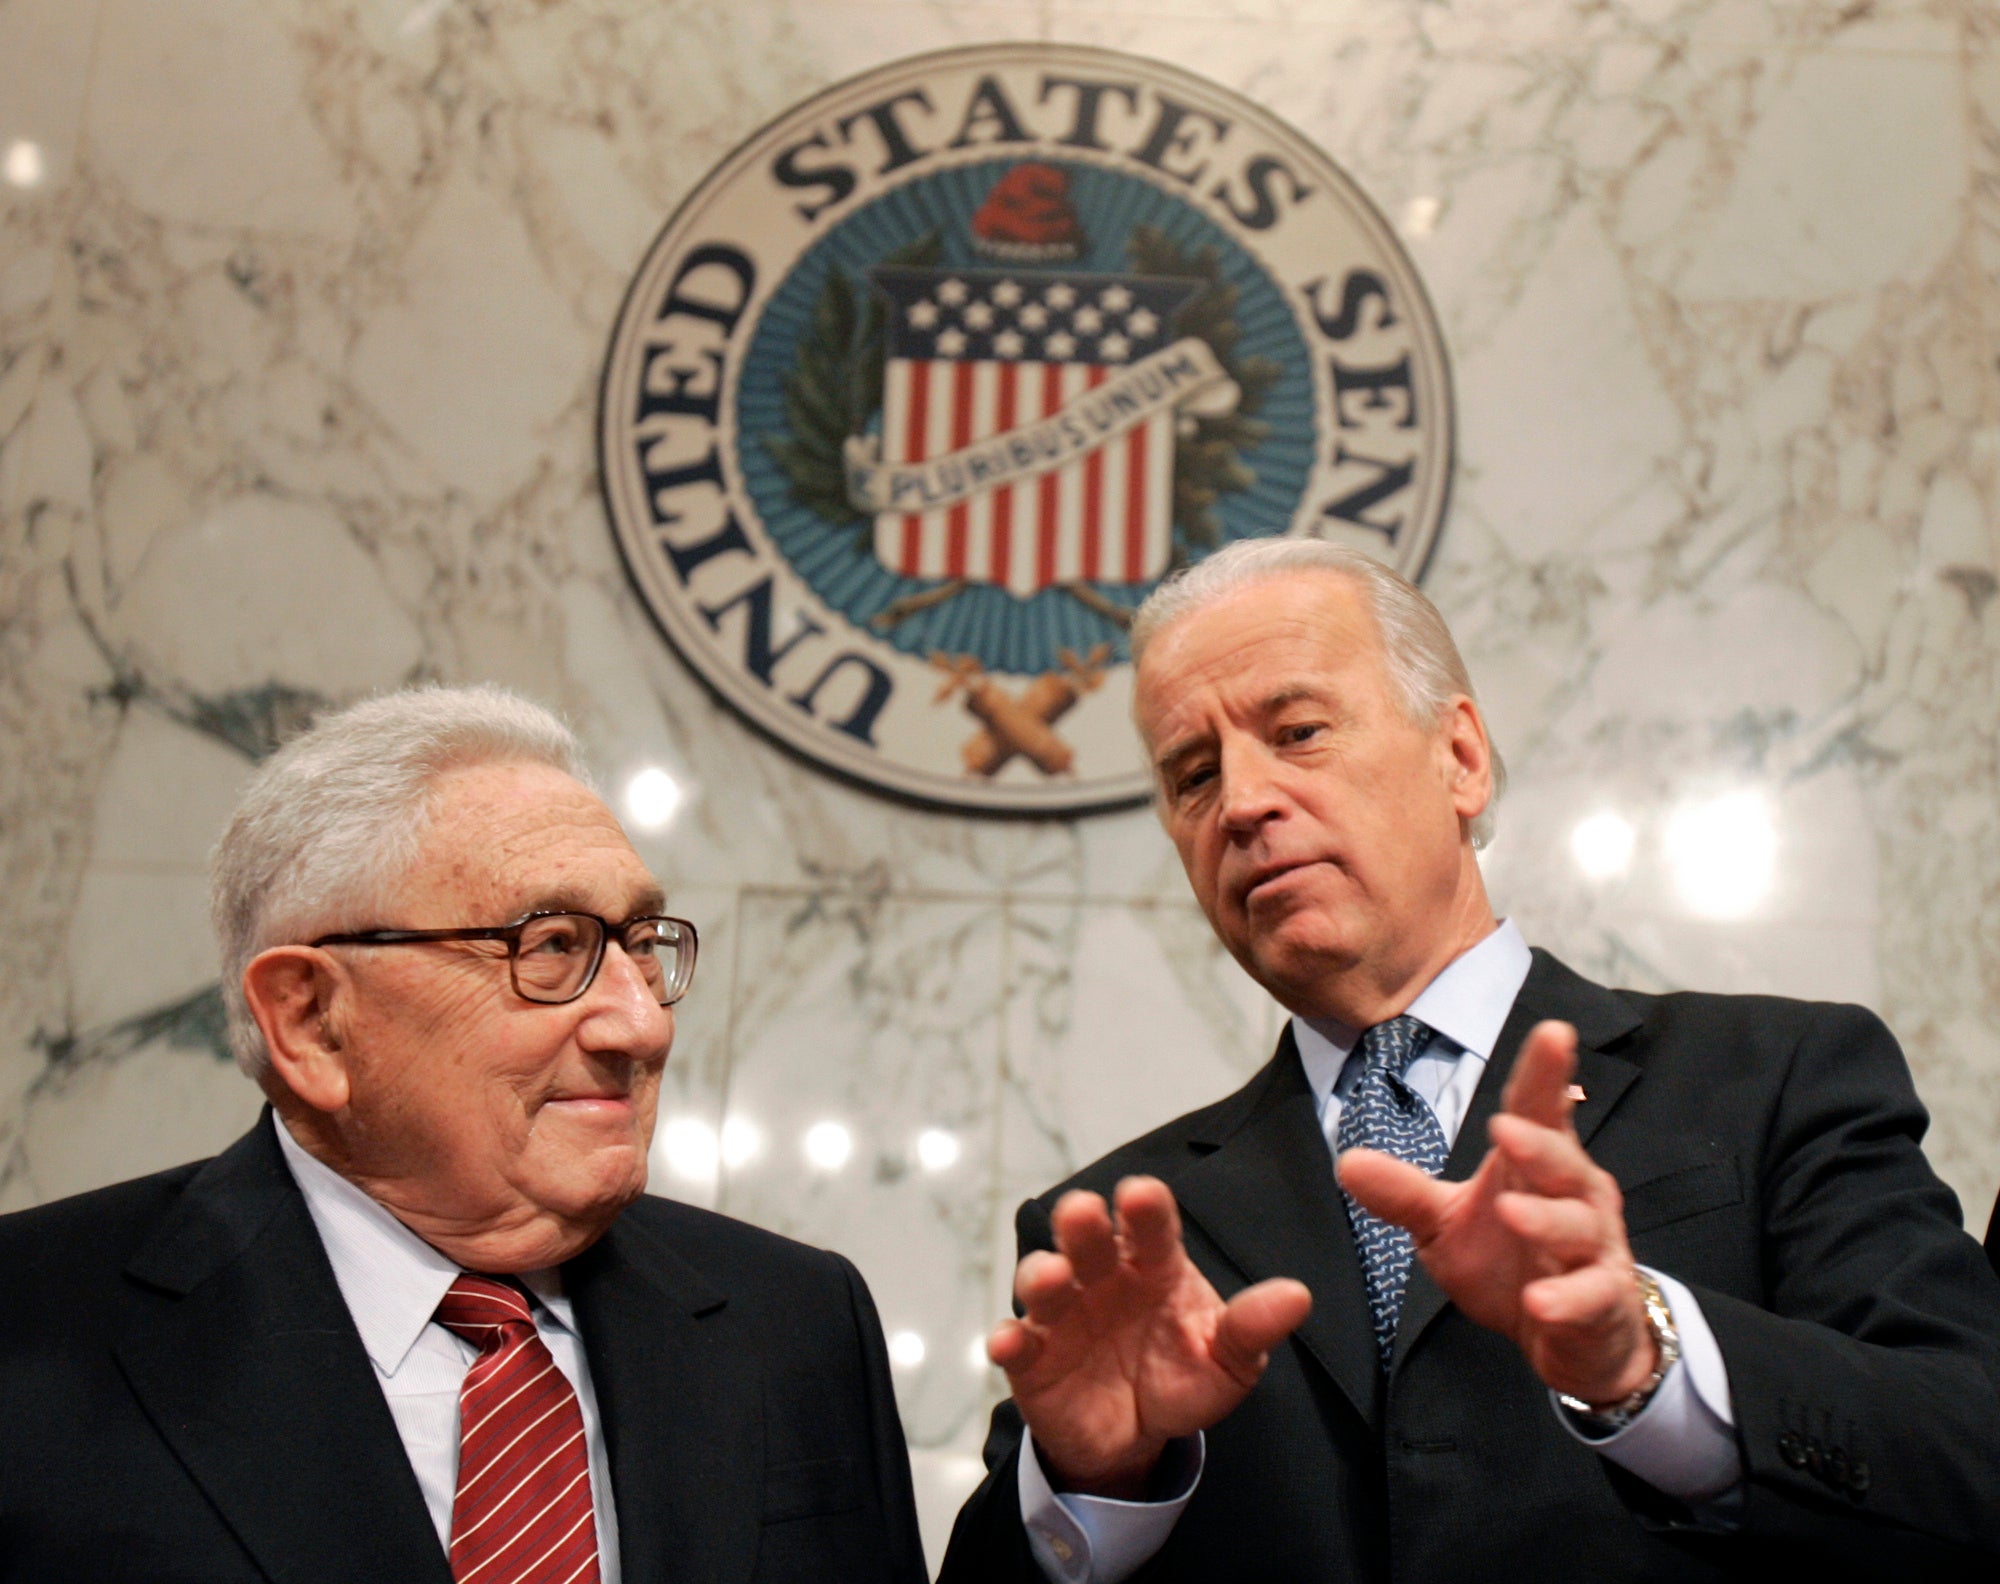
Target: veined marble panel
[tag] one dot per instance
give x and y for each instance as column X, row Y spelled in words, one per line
column 45, row 106
column 860, row 1115
column 123, row 1101
column 1120, row 1016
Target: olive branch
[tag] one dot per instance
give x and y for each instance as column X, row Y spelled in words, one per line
column 835, row 388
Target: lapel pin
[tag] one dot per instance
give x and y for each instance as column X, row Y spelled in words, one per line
column 1576, row 1094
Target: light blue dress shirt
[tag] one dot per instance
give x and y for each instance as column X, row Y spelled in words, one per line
column 393, row 1282
column 1684, row 1442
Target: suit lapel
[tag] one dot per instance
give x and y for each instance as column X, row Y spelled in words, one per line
column 241, row 1350
column 1551, row 990
column 1265, row 1193
column 680, row 1392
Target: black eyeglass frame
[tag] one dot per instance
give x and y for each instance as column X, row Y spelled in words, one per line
column 511, row 934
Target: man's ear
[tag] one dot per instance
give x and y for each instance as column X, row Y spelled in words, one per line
column 297, row 995
column 1471, row 758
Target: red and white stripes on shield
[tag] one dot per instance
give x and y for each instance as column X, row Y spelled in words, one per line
column 1104, row 517
column 523, row 1510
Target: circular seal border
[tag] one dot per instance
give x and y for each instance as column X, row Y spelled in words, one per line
column 671, row 609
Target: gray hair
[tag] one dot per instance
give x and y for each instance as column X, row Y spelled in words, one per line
column 338, row 814
column 1424, row 664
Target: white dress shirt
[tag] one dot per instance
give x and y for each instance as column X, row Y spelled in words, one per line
column 393, row 1282
column 1683, row 1443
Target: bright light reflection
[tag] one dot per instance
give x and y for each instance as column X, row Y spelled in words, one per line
column 1724, row 854
column 827, row 1145
column 24, row 164
column 906, row 1349
column 975, row 1355
column 937, row 1150
column 422, row 16
column 1420, row 216
column 689, row 1148
column 651, row 799
column 742, row 1142
column 1602, row 846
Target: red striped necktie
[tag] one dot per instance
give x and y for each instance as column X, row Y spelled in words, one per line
column 523, row 1509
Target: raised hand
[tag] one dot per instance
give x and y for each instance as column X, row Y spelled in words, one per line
column 1533, row 1244
column 1124, row 1345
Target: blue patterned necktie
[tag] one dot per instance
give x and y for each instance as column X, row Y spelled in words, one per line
column 1383, row 1113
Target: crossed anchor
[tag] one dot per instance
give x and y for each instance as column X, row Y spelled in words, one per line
column 1020, row 725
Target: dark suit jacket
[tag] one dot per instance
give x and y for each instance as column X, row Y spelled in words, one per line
column 1993, row 1236
column 1767, row 1150
column 184, row 1396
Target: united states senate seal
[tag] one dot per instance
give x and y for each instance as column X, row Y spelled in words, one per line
column 924, row 388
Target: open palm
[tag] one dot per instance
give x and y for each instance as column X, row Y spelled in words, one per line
column 1124, row 1345
column 1533, row 1244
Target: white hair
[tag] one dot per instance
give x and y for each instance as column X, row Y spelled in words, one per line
column 336, row 817
column 1424, row 665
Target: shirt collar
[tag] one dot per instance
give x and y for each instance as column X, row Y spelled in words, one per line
column 1467, row 1004
column 392, row 1279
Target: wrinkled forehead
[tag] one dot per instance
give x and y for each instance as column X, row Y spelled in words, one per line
column 1262, row 639
column 510, row 839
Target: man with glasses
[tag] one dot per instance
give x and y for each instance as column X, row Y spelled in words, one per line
column 419, row 1324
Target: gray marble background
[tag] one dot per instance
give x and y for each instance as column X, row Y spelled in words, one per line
column 302, row 304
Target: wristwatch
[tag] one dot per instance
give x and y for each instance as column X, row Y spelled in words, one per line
column 1605, row 1420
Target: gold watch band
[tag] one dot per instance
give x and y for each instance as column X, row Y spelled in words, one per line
column 1609, row 1418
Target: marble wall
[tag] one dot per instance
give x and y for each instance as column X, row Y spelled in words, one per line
column 302, row 304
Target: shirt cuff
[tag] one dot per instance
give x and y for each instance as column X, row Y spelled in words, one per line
column 1081, row 1539
column 1683, row 1442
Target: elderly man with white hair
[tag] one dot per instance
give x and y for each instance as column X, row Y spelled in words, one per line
column 419, row 1324
column 1669, row 1294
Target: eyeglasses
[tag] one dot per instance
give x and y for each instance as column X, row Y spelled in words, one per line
column 554, row 957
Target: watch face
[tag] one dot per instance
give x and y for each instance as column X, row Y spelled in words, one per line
column 925, row 388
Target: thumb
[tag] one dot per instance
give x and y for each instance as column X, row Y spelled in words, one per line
column 1256, row 1320
column 1395, row 1191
